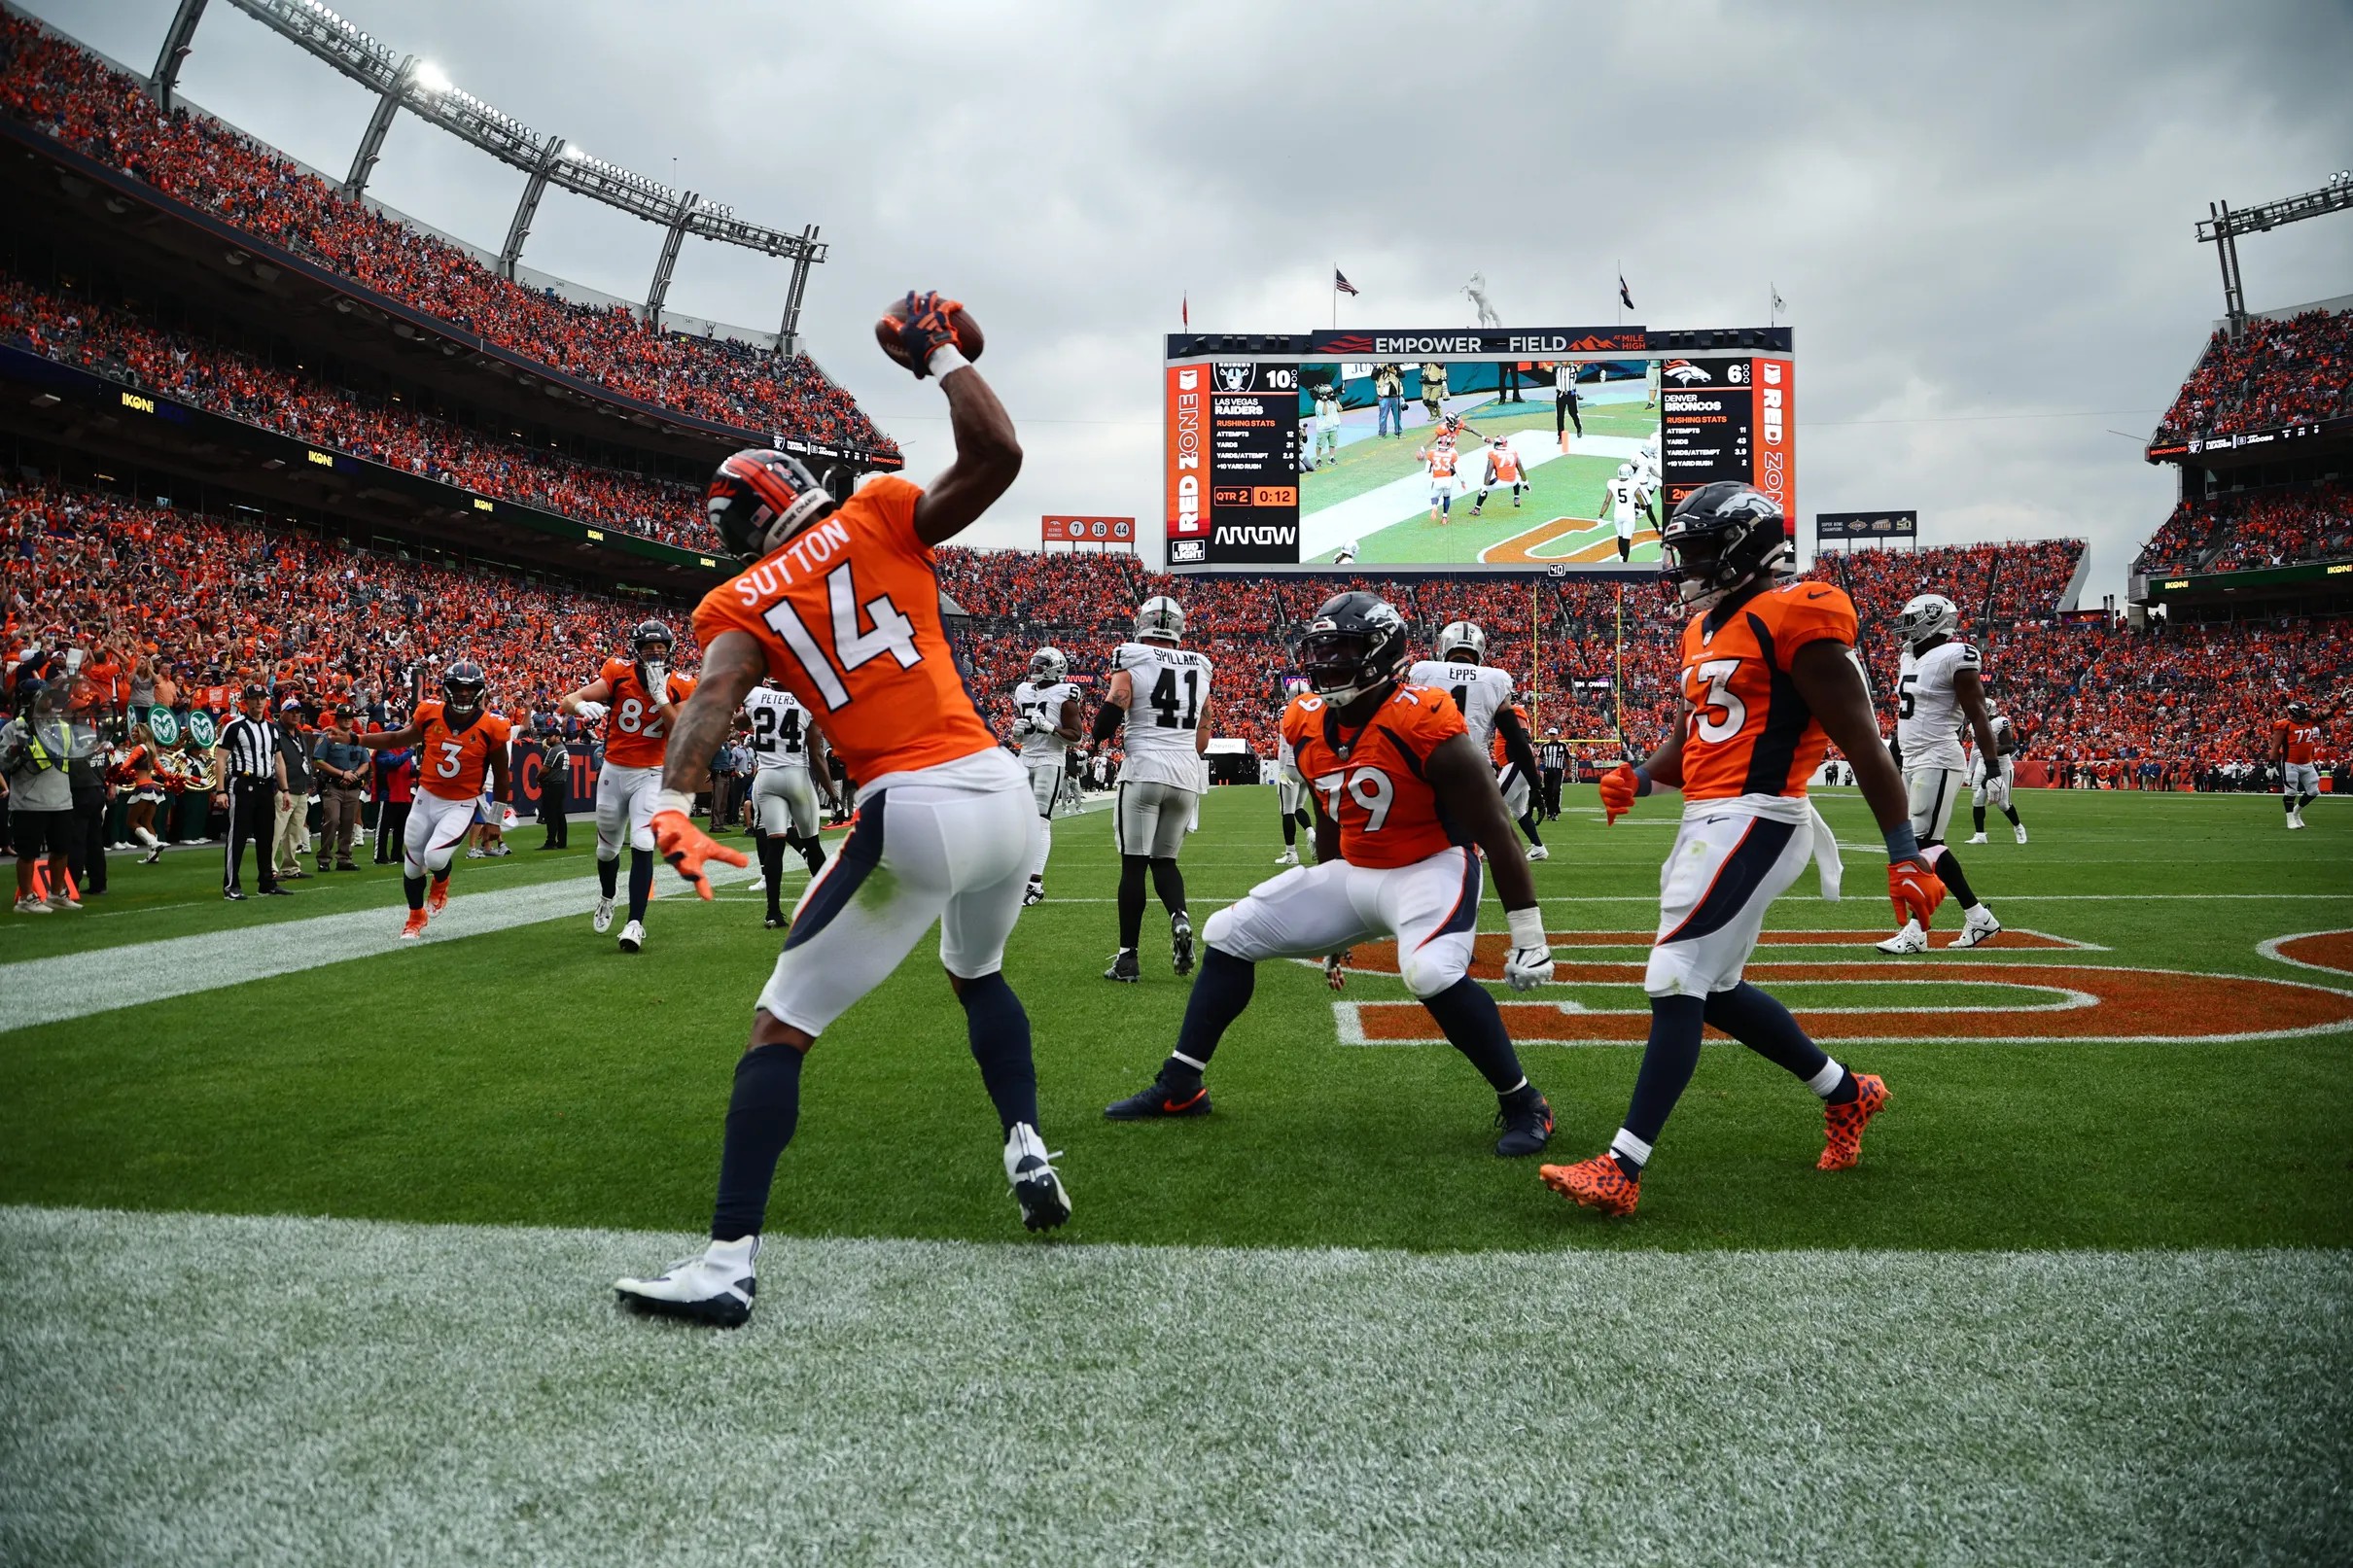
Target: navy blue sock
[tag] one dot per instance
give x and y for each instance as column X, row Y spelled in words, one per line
column 772, row 867
column 761, row 1114
column 1467, row 1015
column 1220, row 992
column 1762, row 1024
column 608, row 874
column 1668, row 1063
column 1290, row 829
column 1527, row 825
column 812, row 853
column 641, row 881
column 999, row 1031
column 415, row 888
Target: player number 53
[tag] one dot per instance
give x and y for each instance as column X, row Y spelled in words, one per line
column 1369, row 786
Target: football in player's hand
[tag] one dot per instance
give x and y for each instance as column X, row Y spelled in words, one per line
column 891, row 325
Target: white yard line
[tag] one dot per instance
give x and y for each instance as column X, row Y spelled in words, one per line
column 77, row 985
column 189, row 1388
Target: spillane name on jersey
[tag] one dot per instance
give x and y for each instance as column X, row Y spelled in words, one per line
column 779, row 728
column 1928, row 717
column 635, row 735
column 847, row 613
column 2300, row 739
column 1749, row 733
column 1479, row 691
column 1377, row 788
column 452, row 762
column 1042, row 705
column 1169, row 692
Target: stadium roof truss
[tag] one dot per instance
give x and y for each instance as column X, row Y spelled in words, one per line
column 408, row 82
column 2226, row 224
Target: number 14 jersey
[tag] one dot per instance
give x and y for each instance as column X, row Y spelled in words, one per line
column 847, row 613
column 1171, row 692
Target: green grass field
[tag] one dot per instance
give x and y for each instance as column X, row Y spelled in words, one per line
column 2085, row 1299
column 1565, row 487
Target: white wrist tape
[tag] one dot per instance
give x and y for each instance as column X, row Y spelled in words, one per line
column 1527, row 926
column 670, row 800
column 945, row 358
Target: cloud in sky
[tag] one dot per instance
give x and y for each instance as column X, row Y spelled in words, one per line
column 1980, row 217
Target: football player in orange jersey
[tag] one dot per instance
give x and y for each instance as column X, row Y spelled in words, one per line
column 1769, row 682
column 638, row 697
column 457, row 740
column 840, row 603
column 2297, row 738
column 1404, row 801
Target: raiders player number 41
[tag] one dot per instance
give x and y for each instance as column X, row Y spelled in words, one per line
column 1160, row 693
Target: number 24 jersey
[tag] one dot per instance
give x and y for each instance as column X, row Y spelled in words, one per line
column 1373, row 780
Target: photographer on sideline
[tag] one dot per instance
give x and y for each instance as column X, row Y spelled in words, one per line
column 36, row 749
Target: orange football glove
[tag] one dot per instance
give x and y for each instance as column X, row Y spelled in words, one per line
column 1913, row 890
column 686, row 847
column 1619, row 787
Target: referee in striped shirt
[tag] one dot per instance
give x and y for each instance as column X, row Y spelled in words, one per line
column 253, row 772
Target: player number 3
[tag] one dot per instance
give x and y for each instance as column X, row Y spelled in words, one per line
column 1719, row 697
column 1369, row 786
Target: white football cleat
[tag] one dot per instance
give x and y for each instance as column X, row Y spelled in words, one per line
column 2295, row 819
column 1289, row 857
column 1978, row 838
column 1036, row 1186
column 2020, row 831
column 1911, row 939
column 601, row 921
column 1977, row 925
column 1538, row 852
column 632, row 937
column 1033, row 893
column 474, row 854
column 714, row 1286
column 758, row 884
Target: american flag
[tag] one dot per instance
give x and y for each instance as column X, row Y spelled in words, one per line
column 1624, row 297
column 1341, row 283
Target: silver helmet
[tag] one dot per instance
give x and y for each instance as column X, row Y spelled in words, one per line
column 1460, row 636
column 1926, row 615
column 1048, row 665
column 1160, row 617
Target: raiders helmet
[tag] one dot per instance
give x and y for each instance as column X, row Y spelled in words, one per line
column 1294, row 686
column 759, row 499
column 464, row 689
column 1355, row 645
column 1463, row 637
column 1626, row 470
column 1161, row 618
column 1721, row 538
column 1926, row 615
column 1048, row 666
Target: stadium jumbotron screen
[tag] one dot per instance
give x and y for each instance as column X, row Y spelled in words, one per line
column 1472, row 449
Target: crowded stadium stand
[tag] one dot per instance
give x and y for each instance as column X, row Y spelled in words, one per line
column 2260, row 434
column 187, row 313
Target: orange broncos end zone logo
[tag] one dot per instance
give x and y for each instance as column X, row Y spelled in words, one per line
column 2075, row 1002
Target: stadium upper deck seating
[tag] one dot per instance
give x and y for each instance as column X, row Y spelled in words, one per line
column 66, row 93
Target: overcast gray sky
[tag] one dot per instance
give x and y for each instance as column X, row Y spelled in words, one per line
column 1980, row 217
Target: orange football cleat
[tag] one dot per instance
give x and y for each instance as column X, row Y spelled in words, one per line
column 415, row 926
column 436, row 897
column 1596, row 1183
column 1843, row 1125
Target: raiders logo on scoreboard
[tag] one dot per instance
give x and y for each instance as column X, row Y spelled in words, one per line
column 1233, row 377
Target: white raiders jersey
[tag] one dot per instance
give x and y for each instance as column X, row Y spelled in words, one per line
column 780, row 727
column 1646, row 464
column 1286, row 761
column 1042, row 705
column 1480, row 691
column 1928, row 719
column 1172, row 691
column 1627, row 498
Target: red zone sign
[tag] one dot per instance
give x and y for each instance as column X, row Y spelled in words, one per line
column 2073, row 1002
